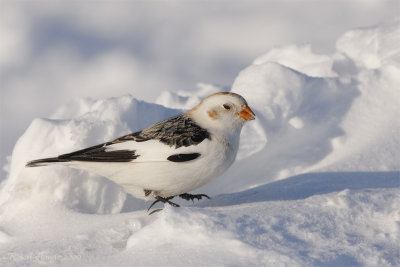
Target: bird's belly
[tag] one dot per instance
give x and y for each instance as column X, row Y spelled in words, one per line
column 171, row 178
column 165, row 178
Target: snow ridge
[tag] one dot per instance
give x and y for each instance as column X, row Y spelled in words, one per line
column 316, row 181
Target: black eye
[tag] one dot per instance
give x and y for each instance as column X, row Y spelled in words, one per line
column 227, row 107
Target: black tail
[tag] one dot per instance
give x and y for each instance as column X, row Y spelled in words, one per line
column 44, row 162
column 91, row 154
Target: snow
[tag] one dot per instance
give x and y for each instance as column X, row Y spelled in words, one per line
column 52, row 53
column 316, row 181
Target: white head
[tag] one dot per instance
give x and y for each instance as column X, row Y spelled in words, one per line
column 223, row 111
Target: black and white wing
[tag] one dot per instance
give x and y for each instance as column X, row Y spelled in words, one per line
column 175, row 132
column 163, row 141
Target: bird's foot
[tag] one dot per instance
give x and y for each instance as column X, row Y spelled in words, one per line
column 191, row 197
column 154, row 211
column 163, row 200
column 185, row 196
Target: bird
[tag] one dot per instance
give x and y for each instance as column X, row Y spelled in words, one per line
column 172, row 157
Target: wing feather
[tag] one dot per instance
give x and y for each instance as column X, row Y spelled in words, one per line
column 101, row 154
column 177, row 135
column 178, row 131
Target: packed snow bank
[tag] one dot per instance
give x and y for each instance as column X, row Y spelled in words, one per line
column 327, row 128
column 77, row 125
column 372, row 125
column 352, row 227
column 345, row 119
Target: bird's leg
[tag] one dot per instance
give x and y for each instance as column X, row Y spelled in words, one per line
column 163, row 200
column 191, row 197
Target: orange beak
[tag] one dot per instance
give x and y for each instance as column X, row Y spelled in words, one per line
column 247, row 114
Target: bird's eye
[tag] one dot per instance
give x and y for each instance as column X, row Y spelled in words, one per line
column 227, row 107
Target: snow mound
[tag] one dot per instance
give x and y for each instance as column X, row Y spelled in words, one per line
column 187, row 100
column 79, row 124
column 320, row 121
column 374, row 47
column 316, row 181
column 300, row 58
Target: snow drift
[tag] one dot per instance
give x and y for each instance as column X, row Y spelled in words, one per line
column 316, row 181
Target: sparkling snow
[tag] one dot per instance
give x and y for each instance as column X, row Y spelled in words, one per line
column 316, row 182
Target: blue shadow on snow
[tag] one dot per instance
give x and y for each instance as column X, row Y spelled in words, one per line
column 306, row 185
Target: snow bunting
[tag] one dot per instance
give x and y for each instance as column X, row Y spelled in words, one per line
column 171, row 157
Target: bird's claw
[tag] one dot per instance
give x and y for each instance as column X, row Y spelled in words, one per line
column 191, row 197
column 163, row 200
column 185, row 196
column 154, row 211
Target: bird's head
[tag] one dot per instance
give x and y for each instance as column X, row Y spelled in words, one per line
column 224, row 110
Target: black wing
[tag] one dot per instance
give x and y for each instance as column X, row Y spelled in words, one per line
column 176, row 131
column 99, row 153
column 183, row 157
column 95, row 154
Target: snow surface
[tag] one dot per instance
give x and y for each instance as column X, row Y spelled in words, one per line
column 316, row 182
column 54, row 51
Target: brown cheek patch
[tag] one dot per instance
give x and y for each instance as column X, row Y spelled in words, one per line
column 213, row 114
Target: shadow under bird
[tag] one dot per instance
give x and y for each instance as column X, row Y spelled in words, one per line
column 172, row 157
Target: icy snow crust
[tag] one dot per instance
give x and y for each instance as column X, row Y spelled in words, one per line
column 316, row 182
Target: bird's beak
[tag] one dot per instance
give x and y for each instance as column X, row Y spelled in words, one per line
column 247, row 114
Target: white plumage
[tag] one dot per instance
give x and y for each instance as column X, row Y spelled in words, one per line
column 172, row 157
